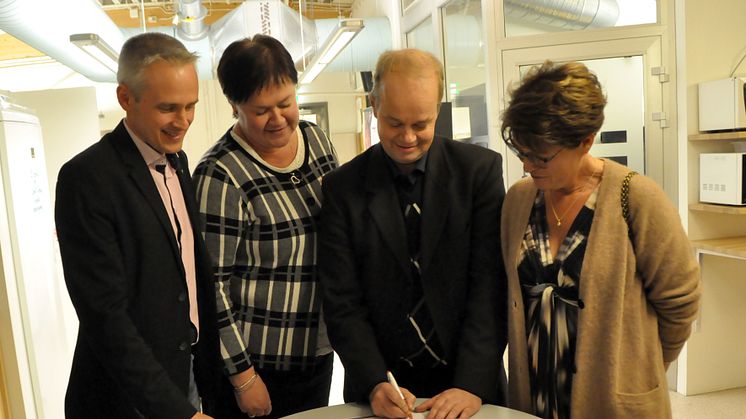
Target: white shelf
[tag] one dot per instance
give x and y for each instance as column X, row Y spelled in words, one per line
column 733, row 247
column 718, row 209
column 719, row 136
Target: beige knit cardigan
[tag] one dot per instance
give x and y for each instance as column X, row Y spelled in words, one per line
column 639, row 300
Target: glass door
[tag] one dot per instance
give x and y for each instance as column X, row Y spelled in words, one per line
column 465, row 73
column 624, row 67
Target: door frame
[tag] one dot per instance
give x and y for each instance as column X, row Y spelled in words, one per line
column 649, row 47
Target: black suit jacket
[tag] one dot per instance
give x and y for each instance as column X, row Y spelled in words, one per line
column 364, row 264
column 127, row 283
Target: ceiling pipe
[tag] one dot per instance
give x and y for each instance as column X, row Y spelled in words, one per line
column 565, row 14
column 46, row 25
column 54, row 21
column 273, row 18
column 191, row 16
column 301, row 40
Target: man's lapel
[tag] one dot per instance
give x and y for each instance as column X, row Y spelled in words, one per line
column 384, row 207
column 140, row 175
column 436, row 201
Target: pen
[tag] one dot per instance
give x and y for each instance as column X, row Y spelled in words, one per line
column 392, row 381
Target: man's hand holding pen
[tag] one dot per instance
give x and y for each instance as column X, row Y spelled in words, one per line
column 388, row 400
column 451, row 403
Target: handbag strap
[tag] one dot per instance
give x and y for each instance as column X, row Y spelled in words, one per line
column 625, row 200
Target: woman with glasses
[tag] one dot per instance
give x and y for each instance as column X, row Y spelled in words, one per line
column 596, row 314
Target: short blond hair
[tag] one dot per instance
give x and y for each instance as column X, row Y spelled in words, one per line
column 409, row 62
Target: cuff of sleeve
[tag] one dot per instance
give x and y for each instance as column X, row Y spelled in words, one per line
column 237, row 364
column 671, row 355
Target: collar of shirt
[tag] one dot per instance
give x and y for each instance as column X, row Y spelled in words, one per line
column 300, row 153
column 151, row 157
column 411, row 176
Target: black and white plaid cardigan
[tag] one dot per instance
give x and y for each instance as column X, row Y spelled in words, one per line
column 261, row 231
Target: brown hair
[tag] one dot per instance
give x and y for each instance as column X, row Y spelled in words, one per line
column 555, row 104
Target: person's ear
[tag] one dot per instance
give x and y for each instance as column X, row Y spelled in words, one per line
column 235, row 110
column 588, row 142
column 373, row 104
column 125, row 97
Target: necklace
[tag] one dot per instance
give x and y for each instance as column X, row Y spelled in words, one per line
column 572, row 204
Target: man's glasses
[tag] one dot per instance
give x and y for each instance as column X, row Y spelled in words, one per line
column 532, row 158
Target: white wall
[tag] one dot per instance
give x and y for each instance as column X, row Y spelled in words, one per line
column 715, row 356
column 69, row 122
column 39, row 74
column 376, row 8
column 344, row 95
column 212, row 119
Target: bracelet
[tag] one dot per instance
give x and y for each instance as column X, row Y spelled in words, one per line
column 245, row 386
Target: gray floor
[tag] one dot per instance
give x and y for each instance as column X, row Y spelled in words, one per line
column 727, row 404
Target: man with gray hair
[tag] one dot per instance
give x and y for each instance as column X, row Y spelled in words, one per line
column 134, row 261
column 409, row 256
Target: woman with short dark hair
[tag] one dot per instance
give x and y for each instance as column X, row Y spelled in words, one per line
column 259, row 189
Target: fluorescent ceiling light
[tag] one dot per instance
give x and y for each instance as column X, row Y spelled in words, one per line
column 97, row 48
column 336, row 42
column 311, row 73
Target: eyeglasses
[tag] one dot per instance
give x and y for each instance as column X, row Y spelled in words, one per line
column 532, row 158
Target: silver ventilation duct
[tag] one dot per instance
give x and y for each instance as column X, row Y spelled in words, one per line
column 46, row 25
column 566, row 14
column 299, row 35
column 191, row 15
column 54, row 21
column 272, row 18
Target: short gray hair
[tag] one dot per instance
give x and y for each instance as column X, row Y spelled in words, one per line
column 142, row 50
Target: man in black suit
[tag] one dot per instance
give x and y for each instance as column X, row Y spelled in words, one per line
column 410, row 260
column 134, row 261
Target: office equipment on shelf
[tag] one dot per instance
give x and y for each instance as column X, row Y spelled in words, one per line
column 721, row 105
column 721, row 178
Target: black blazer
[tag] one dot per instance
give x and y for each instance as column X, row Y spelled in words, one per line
column 363, row 262
column 126, row 280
